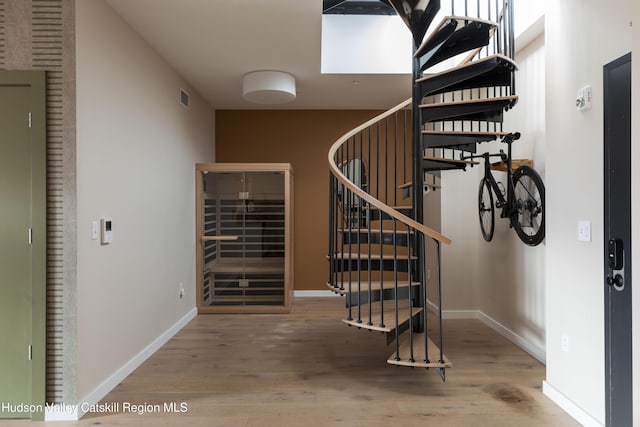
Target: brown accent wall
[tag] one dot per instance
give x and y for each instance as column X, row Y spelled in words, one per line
column 301, row 138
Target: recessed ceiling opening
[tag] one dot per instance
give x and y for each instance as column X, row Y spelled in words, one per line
column 365, row 44
column 356, row 7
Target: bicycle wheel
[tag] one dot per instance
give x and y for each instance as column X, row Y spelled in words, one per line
column 486, row 210
column 528, row 220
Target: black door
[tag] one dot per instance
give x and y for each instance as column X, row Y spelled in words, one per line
column 617, row 241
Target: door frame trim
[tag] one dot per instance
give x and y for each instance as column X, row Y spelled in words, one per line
column 36, row 80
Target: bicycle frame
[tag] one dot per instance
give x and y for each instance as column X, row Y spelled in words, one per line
column 525, row 210
column 507, row 205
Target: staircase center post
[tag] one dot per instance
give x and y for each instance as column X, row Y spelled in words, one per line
column 418, row 175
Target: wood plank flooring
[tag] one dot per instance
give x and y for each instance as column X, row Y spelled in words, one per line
column 309, row 369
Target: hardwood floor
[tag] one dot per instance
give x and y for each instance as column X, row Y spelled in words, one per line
column 308, row 369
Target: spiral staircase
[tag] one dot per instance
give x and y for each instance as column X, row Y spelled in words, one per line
column 382, row 257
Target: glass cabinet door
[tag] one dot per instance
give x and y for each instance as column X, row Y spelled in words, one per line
column 243, row 239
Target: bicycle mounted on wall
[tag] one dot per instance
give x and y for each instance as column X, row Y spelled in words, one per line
column 524, row 202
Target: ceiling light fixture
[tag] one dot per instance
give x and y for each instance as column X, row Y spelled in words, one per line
column 269, row 87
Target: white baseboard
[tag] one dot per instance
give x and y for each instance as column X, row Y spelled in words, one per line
column 461, row 314
column 454, row 314
column 521, row 342
column 61, row 412
column 75, row 412
column 304, row 294
column 431, row 306
column 518, row 340
column 568, row 406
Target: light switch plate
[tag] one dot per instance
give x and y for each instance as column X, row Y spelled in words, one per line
column 584, row 231
column 95, row 230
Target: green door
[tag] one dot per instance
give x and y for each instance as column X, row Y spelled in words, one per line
column 15, row 252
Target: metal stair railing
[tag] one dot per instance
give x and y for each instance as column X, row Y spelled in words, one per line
column 501, row 42
column 377, row 251
column 372, row 242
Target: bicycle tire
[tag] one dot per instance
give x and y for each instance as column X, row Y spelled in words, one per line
column 528, row 218
column 486, row 210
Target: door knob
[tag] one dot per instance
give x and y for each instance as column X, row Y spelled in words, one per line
column 617, row 280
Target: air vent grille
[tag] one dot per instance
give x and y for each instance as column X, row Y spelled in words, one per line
column 184, row 98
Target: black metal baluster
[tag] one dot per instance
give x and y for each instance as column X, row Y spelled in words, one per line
column 494, row 51
column 336, row 222
column 504, row 51
column 513, row 45
column 359, row 270
column 381, row 271
column 480, row 57
column 438, row 257
column 486, row 50
column 466, row 22
column 341, row 220
column 378, row 160
column 369, row 263
column 369, row 161
column 359, row 229
column 504, row 28
column 410, row 297
column 386, row 161
column 404, row 136
column 489, row 18
column 369, row 224
column 395, row 159
column 497, row 32
column 423, row 282
column 395, row 288
column 348, row 230
column 331, row 224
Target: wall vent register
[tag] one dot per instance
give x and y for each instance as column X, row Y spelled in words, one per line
column 184, row 98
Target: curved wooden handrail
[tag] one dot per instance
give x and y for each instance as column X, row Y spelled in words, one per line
column 366, row 196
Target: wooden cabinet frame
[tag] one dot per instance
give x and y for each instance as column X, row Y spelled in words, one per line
column 204, row 279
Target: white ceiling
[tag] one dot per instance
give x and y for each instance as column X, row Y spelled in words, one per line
column 213, row 43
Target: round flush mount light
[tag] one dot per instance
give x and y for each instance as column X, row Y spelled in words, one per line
column 269, row 87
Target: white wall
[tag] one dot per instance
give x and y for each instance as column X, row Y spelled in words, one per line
column 526, row 14
column 581, row 36
column 503, row 279
column 136, row 149
column 511, row 274
column 432, row 219
column 459, row 198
